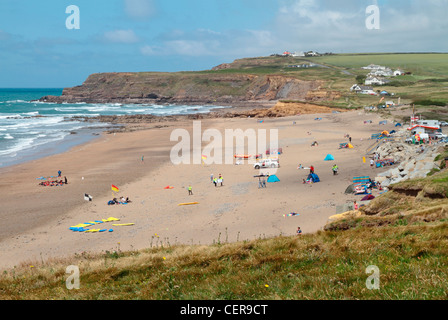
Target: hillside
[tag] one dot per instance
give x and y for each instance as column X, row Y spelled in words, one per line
column 264, row 80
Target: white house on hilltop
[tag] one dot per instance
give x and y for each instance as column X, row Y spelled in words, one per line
column 375, row 81
column 381, row 73
column 374, row 67
column 362, row 89
column 398, row 72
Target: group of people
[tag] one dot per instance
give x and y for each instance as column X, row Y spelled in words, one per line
column 53, row 183
column 215, row 180
column 57, row 182
column 122, row 200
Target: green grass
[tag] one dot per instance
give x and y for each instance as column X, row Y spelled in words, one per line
column 412, row 260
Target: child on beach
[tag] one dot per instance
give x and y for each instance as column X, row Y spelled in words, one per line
column 299, row 232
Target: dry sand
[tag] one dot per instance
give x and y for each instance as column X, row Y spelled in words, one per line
column 36, row 220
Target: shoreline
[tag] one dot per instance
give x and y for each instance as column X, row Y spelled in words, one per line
column 112, row 124
column 37, row 218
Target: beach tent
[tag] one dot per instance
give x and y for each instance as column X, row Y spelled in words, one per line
column 368, row 197
column 350, row 189
column 398, row 124
column 329, row 157
column 350, row 146
column 273, row 178
column 313, row 177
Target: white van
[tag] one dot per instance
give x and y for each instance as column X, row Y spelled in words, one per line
column 267, row 163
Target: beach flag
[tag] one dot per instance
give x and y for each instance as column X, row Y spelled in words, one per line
column 115, row 188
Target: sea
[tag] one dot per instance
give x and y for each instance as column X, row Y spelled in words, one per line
column 31, row 129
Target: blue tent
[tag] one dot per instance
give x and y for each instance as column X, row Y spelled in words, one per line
column 273, row 178
column 329, row 157
column 314, row 177
column 398, row 124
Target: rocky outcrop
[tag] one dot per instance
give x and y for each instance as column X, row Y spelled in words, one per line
column 189, row 88
column 412, row 162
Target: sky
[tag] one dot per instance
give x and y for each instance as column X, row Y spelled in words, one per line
column 40, row 49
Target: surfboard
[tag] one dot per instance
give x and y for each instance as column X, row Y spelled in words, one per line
column 123, row 224
column 187, row 203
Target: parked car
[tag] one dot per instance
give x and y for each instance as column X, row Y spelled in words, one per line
column 267, row 163
column 408, row 140
column 443, row 123
column 440, row 135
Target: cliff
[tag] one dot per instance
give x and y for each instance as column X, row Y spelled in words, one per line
column 205, row 87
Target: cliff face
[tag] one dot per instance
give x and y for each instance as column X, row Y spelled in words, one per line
column 205, row 87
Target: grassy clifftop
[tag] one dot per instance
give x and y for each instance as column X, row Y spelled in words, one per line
column 273, row 79
column 412, row 261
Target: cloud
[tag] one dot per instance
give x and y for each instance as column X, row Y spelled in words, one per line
column 121, row 36
column 149, row 50
column 4, row 35
column 139, row 8
column 412, row 25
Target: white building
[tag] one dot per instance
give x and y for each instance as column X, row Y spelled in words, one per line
column 382, row 73
column 374, row 67
column 429, row 123
column 298, row 54
column 398, row 72
column 375, row 81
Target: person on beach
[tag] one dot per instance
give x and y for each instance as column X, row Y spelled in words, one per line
column 215, row 181
column 65, row 180
column 211, row 177
column 335, row 169
column 299, row 166
column 190, row 192
column 355, row 205
column 220, row 179
column 372, row 162
column 299, row 231
column 350, row 139
column 263, row 182
column 59, row 173
column 260, row 184
column 143, row 159
column 311, row 169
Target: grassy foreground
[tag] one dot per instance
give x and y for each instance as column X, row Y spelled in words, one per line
column 412, row 261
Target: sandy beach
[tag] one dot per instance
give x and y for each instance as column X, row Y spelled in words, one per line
column 36, row 219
